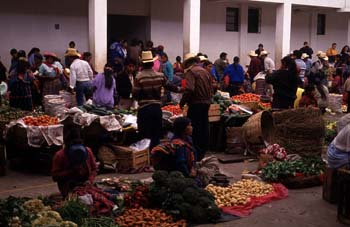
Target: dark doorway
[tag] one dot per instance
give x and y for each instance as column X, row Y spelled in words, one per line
column 128, row 27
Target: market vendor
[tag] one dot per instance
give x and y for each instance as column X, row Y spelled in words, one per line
column 75, row 164
column 179, row 154
column 104, row 88
column 49, row 74
column 338, row 154
column 147, row 91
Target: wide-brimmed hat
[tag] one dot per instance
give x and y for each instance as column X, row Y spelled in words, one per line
column 203, row 58
column 252, row 54
column 147, row 57
column 264, row 52
column 189, row 56
column 50, row 54
column 72, row 52
column 319, row 53
column 304, row 55
column 323, row 56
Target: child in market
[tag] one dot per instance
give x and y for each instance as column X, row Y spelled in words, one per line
column 308, row 98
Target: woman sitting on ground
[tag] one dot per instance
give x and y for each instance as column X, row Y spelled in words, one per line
column 75, row 164
column 338, row 154
column 308, row 98
column 179, row 154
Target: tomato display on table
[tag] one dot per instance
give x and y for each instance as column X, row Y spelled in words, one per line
column 44, row 120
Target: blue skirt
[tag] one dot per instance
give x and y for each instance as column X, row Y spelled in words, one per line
column 337, row 158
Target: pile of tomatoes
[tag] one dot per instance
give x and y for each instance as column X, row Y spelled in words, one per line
column 40, row 121
column 247, row 97
column 175, row 109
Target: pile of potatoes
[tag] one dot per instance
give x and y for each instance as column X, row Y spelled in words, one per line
column 238, row 193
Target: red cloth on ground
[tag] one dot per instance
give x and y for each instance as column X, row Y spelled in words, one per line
column 280, row 192
column 102, row 206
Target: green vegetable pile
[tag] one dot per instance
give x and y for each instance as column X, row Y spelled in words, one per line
column 99, row 222
column 100, row 111
column 74, row 210
column 13, row 208
column 224, row 102
column 182, row 198
column 279, row 170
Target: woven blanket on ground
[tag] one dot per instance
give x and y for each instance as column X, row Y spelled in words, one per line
column 101, row 206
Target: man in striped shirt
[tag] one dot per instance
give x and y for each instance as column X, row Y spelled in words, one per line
column 147, row 91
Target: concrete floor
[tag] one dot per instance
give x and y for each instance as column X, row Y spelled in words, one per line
column 303, row 208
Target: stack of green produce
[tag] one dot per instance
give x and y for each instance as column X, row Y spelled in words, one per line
column 224, row 102
column 100, row 111
column 279, row 170
column 182, row 198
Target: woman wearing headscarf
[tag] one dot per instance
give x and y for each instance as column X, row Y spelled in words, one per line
column 75, row 164
column 50, row 72
column 179, row 154
column 20, row 84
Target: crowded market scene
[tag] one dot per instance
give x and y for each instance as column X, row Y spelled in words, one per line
column 132, row 131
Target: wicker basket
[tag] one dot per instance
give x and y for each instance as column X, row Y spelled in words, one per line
column 251, row 105
column 258, row 128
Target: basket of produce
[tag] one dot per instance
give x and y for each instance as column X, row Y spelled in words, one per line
column 303, row 173
column 259, row 128
column 174, row 109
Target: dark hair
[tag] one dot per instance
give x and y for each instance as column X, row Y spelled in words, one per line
column 21, row 54
column 199, row 54
column 206, row 63
column 71, row 135
column 86, row 55
column 306, row 43
column 297, row 54
column 38, row 57
column 309, row 88
column 108, row 73
column 343, row 49
column 13, row 51
column 178, row 58
column 180, row 125
column 71, row 44
column 235, row 62
column 147, row 65
column 34, row 49
column 149, row 44
column 190, row 62
column 319, row 88
column 165, row 55
column 334, row 44
column 260, row 45
column 290, row 65
column 23, row 66
column 223, row 55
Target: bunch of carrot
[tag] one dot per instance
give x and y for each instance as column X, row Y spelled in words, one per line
column 147, row 218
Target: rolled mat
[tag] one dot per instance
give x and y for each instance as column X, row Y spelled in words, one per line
column 280, row 192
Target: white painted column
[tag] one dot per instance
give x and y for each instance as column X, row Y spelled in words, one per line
column 283, row 29
column 191, row 26
column 243, row 35
column 313, row 33
column 348, row 18
column 98, row 33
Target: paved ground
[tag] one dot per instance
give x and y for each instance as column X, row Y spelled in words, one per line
column 304, row 208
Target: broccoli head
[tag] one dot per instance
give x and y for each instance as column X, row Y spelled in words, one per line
column 205, row 202
column 205, row 193
column 160, row 177
column 191, row 195
column 198, row 215
column 185, row 210
column 177, row 185
column 176, row 174
column 157, row 194
column 213, row 212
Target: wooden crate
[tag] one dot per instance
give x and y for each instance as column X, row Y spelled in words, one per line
column 123, row 158
column 329, row 193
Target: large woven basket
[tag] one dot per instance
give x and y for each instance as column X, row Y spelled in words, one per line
column 258, row 128
column 251, row 105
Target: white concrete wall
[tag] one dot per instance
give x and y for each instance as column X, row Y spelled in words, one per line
column 166, row 26
column 128, row 7
column 27, row 24
column 335, row 30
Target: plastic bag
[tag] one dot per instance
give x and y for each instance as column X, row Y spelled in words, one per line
column 141, row 145
column 335, row 102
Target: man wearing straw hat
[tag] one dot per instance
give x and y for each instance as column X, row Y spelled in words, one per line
column 81, row 76
column 198, row 94
column 147, row 91
column 254, row 66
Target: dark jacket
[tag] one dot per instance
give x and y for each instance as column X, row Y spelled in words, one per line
column 308, row 50
column 284, row 83
column 124, row 86
column 198, row 87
